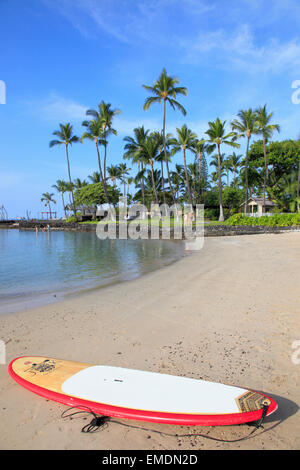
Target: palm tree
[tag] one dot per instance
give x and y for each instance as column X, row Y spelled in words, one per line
column 185, row 141
column 114, row 174
column 70, row 188
column 47, row 198
column 217, row 137
column 124, row 172
column 178, row 179
column 61, row 187
column 160, row 159
column 150, row 153
column 67, row 138
column 193, row 174
column 266, row 130
column 130, row 181
column 235, row 162
column 215, row 162
column 200, row 147
column 133, row 152
column 227, row 165
column 153, row 184
column 158, row 136
column 78, row 183
column 95, row 133
column 215, row 176
column 246, row 126
column 105, row 117
column 139, row 181
column 165, row 89
column 95, row 177
column 284, row 190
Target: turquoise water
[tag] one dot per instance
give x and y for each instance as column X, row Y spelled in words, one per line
column 35, row 269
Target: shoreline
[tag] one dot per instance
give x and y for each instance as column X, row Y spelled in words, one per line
column 209, row 230
column 229, row 313
column 13, row 305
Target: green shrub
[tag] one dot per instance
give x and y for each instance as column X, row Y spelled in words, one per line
column 71, row 219
column 276, row 220
column 212, row 214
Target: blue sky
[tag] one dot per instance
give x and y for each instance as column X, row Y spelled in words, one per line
column 59, row 58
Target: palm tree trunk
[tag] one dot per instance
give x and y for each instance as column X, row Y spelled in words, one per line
column 103, row 181
column 200, row 164
column 162, row 181
column 143, row 183
column 71, row 184
column 266, row 173
column 153, row 183
column 246, row 175
column 187, row 183
column 221, row 218
column 165, row 153
column 298, row 188
column 235, row 177
column 50, row 211
column 105, row 152
column 63, row 202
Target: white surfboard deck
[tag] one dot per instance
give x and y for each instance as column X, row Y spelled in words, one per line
column 152, row 391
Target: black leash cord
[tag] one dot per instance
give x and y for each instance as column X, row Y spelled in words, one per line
column 98, row 422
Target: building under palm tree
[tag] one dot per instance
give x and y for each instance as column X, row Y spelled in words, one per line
column 258, row 207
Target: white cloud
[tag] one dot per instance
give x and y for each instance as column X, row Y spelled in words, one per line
column 238, row 49
column 175, row 24
column 61, row 109
column 129, row 21
column 57, row 109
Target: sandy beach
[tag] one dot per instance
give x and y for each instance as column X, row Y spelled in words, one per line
column 228, row 313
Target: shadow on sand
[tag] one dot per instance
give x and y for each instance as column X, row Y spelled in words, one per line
column 286, row 408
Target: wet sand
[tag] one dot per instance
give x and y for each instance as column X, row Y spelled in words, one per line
column 228, row 313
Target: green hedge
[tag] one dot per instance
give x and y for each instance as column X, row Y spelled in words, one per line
column 276, row 220
column 71, row 219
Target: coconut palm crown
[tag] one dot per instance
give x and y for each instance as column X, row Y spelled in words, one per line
column 165, row 90
column 105, row 115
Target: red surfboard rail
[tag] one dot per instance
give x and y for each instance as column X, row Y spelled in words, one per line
column 142, row 415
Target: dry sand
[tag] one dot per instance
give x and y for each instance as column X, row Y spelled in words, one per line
column 229, row 313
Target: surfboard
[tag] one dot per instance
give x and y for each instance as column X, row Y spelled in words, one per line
column 139, row 395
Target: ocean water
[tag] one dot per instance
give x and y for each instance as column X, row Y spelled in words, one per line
column 37, row 269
